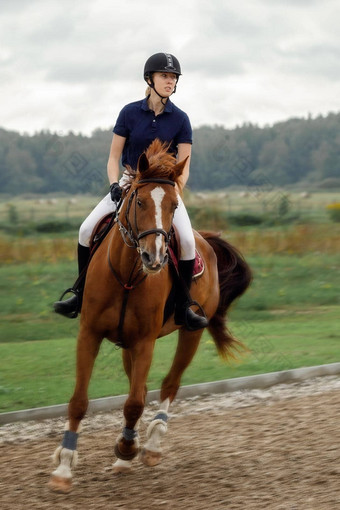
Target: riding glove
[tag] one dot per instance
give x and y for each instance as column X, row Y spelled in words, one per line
column 116, row 192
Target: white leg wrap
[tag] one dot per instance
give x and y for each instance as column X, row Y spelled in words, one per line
column 65, row 459
column 165, row 405
column 157, row 429
column 155, row 433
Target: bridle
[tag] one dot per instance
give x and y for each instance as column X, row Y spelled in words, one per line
column 130, row 233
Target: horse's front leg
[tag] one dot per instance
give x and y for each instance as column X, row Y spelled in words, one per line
column 186, row 349
column 137, row 362
column 66, row 455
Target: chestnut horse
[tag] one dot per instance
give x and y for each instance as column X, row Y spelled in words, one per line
column 127, row 286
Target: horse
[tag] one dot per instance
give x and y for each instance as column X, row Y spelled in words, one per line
column 128, row 282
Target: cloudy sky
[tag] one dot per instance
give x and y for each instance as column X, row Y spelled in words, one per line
column 73, row 64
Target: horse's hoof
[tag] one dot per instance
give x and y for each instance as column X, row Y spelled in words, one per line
column 58, row 484
column 150, row 458
column 121, row 466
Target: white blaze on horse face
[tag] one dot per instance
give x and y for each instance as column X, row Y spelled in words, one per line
column 157, row 195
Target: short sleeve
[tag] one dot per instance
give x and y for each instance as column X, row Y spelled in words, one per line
column 120, row 127
column 185, row 134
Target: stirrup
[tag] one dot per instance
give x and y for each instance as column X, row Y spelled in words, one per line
column 186, row 320
column 70, row 290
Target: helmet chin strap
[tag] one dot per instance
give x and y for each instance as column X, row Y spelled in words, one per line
column 162, row 97
column 152, row 85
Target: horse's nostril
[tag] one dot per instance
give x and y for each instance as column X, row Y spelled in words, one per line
column 146, row 258
column 152, row 262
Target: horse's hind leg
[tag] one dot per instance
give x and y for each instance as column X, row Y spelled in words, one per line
column 66, row 455
column 187, row 346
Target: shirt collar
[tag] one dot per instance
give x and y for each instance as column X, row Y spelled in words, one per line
column 145, row 104
column 168, row 107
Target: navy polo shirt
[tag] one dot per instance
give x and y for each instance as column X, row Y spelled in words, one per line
column 140, row 126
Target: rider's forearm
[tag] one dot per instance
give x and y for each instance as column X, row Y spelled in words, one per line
column 113, row 170
column 184, row 151
column 116, row 149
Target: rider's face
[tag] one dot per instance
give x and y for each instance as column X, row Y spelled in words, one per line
column 164, row 83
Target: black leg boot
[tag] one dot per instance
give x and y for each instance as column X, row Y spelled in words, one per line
column 183, row 313
column 71, row 307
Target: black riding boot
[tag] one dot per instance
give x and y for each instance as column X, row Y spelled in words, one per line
column 71, row 307
column 183, row 313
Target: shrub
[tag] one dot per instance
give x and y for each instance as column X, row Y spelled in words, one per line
column 17, row 229
column 284, row 205
column 55, row 226
column 245, row 219
column 207, row 217
column 272, row 220
column 13, row 216
column 334, row 211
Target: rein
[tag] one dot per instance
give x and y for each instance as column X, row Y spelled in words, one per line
column 130, row 285
column 128, row 232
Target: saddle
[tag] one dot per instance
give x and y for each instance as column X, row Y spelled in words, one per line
column 174, row 250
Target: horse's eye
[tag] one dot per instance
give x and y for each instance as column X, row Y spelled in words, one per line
column 139, row 203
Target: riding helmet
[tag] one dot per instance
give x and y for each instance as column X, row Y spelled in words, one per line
column 161, row 62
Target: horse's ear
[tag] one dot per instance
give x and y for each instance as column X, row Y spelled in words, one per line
column 143, row 163
column 179, row 167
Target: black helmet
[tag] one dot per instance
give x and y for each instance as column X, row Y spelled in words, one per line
column 161, row 62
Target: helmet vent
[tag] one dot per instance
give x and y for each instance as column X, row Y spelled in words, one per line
column 169, row 59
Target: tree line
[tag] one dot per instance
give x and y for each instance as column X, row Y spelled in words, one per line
column 297, row 151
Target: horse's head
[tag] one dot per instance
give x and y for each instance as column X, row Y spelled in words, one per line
column 152, row 203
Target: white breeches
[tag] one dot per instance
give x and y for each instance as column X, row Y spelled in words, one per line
column 105, row 206
column 181, row 222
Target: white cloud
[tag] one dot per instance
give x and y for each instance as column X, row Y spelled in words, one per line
column 73, row 65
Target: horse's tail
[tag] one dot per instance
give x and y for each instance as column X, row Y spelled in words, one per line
column 234, row 278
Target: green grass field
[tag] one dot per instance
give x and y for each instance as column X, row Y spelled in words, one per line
column 288, row 318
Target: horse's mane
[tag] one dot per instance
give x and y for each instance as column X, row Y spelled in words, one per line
column 161, row 165
column 161, row 161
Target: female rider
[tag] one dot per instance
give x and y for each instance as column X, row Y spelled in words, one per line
column 138, row 124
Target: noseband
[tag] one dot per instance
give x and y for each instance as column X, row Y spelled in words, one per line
column 128, row 232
